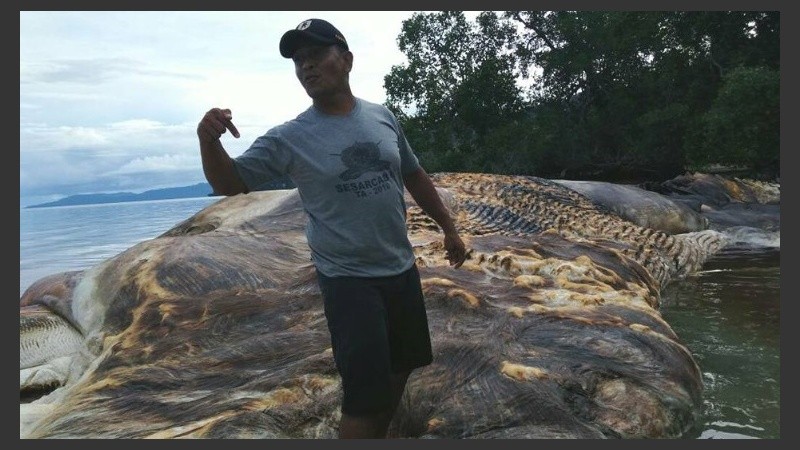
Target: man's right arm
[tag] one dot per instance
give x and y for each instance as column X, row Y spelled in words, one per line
column 217, row 164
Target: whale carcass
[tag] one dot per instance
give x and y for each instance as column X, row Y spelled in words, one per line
column 215, row 329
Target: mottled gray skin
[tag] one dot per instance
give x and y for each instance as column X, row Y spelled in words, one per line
column 550, row 329
column 729, row 202
column 717, row 190
column 644, row 208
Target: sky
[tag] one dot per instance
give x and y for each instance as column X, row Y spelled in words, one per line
column 110, row 100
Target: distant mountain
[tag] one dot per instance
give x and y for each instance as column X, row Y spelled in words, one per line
column 193, row 191
column 197, row 190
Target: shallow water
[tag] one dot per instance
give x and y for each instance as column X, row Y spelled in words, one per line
column 64, row 238
column 728, row 315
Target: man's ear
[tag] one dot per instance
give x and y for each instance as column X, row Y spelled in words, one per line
column 348, row 56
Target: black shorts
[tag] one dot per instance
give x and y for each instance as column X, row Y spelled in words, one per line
column 378, row 327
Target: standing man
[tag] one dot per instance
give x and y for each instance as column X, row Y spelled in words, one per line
column 350, row 162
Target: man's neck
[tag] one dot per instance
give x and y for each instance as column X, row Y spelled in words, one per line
column 338, row 105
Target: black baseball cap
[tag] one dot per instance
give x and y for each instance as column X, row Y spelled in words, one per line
column 315, row 31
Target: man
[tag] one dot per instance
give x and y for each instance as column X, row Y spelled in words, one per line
column 350, row 162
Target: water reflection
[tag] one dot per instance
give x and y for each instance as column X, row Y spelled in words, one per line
column 728, row 315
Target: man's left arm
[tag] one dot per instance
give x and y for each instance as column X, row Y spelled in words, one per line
column 423, row 191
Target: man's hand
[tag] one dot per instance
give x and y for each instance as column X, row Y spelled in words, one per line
column 455, row 250
column 214, row 124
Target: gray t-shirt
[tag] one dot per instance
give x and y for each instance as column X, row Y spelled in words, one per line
column 349, row 173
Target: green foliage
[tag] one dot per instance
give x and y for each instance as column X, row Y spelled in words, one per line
column 458, row 85
column 611, row 94
column 742, row 127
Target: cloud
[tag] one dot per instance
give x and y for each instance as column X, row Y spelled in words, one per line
column 74, row 159
column 110, row 100
column 91, row 71
column 162, row 163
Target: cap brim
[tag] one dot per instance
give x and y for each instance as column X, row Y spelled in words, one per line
column 294, row 39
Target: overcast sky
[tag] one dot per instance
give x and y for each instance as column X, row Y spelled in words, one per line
column 109, row 100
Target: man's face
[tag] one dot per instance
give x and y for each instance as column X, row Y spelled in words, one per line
column 322, row 69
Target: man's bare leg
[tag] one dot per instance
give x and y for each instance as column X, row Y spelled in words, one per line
column 364, row 427
column 374, row 426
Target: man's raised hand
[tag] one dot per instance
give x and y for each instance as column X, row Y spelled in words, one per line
column 214, row 124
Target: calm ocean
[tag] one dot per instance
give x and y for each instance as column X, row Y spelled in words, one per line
column 728, row 314
column 63, row 238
